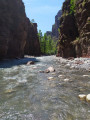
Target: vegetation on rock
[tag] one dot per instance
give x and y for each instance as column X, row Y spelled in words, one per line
column 72, row 7
column 75, row 29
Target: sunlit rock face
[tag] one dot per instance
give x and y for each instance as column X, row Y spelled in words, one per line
column 55, row 32
column 74, row 38
column 13, row 29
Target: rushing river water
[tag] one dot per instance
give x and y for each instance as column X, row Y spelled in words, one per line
column 27, row 94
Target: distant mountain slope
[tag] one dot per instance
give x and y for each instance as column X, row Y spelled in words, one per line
column 55, row 33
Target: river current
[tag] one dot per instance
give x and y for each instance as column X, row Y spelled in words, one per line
column 27, row 94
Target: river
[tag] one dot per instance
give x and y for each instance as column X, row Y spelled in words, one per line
column 27, row 94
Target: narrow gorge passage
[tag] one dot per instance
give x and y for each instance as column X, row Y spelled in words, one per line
column 27, row 94
column 34, row 83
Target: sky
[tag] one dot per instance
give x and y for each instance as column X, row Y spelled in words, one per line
column 43, row 12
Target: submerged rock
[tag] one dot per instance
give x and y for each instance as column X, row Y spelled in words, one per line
column 46, row 71
column 50, row 78
column 41, row 71
column 66, row 80
column 30, row 62
column 53, row 73
column 34, row 67
column 60, row 76
column 9, row 91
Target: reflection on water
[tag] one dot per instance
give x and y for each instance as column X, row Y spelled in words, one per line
column 26, row 94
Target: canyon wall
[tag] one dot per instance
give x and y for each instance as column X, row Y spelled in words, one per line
column 74, row 37
column 55, row 32
column 32, row 46
column 14, row 30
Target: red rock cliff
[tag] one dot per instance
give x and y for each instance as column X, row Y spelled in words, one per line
column 32, row 46
column 14, row 29
column 75, row 30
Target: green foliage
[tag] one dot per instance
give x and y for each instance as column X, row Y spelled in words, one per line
column 83, row 3
column 47, row 44
column 59, row 30
column 88, row 21
column 32, row 21
column 65, row 14
column 72, row 8
column 76, row 41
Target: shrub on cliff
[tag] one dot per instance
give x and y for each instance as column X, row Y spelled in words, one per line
column 72, row 8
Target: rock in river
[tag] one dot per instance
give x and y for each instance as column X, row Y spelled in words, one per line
column 88, row 98
column 50, row 69
column 50, row 78
column 82, row 97
column 66, row 80
column 30, row 62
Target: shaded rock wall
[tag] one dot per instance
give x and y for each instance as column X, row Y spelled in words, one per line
column 75, row 30
column 82, row 17
column 32, row 46
column 13, row 29
column 55, row 32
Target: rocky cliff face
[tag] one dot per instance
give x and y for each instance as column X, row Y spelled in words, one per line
column 55, row 33
column 82, row 17
column 75, row 30
column 13, row 29
column 32, row 46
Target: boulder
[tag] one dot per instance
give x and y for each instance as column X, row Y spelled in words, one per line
column 50, row 69
column 30, row 62
column 88, row 98
column 82, row 97
column 41, row 71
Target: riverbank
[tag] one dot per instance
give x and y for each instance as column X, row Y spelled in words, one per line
column 78, row 63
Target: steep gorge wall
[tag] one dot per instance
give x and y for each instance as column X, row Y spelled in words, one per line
column 55, row 33
column 14, row 30
column 32, row 46
column 75, row 30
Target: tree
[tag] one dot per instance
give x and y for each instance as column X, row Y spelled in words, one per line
column 32, row 21
column 47, row 44
column 45, row 41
